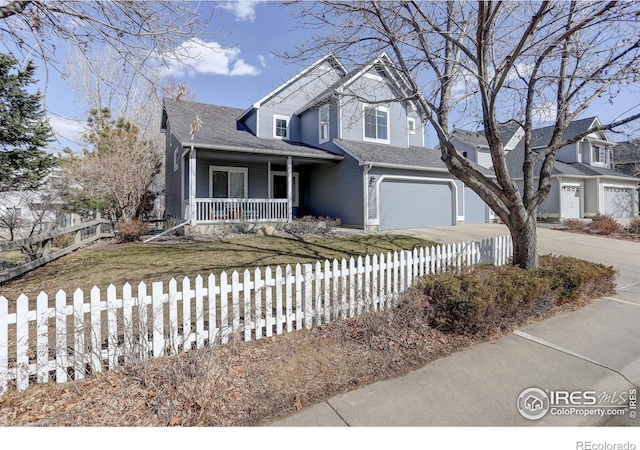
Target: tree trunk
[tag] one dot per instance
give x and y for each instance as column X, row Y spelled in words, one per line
column 525, row 240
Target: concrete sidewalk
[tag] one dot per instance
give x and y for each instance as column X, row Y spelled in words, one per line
column 596, row 348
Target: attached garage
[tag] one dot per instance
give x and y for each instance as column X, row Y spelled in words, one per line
column 571, row 202
column 415, row 203
column 475, row 209
column 618, row 201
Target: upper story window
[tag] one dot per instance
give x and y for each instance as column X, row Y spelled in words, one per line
column 376, row 124
column 599, row 155
column 411, row 125
column 280, row 127
column 323, row 120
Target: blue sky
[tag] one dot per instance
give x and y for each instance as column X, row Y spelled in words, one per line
column 236, row 66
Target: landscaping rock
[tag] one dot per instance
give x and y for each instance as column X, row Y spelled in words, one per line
column 267, row 230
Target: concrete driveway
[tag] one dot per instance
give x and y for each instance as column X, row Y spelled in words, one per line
column 595, row 350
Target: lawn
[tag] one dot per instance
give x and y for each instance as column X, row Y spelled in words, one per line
column 110, row 263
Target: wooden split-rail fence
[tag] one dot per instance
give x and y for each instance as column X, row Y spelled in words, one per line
column 72, row 335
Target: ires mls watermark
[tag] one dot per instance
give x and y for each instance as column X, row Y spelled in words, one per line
column 534, row 403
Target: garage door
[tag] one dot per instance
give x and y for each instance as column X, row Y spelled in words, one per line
column 618, row 202
column 475, row 209
column 414, row 204
column 571, row 202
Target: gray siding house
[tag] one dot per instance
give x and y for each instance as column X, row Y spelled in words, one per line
column 583, row 180
column 327, row 142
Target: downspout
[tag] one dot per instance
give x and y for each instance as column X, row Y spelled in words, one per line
column 366, row 194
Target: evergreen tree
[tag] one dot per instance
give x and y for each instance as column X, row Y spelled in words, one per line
column 24, row 130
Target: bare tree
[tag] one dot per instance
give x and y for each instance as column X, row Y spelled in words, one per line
column 118, row 172
column 132, row 29
column 500, row 60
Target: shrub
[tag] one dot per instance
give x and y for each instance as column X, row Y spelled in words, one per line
column 492, row 299
column 574, row 224
column 604, row 224
column 573, row 278
column 633, row 226
column 312, row 225
column 131, row 231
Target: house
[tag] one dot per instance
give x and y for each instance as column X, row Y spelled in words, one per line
column 626, row 157
column 23, row 213
column 327, row 142
column 583, row 179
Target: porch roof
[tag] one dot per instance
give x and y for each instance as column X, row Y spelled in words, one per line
column 220, row 131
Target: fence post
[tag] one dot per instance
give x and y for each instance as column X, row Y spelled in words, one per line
column 308, row 304
column 4, row 344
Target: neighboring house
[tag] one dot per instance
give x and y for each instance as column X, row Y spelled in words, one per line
column 626, row 157
column 25, row 212
column 583, row 182
column 327, row 142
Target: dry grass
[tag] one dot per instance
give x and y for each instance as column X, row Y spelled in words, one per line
column 106, row 263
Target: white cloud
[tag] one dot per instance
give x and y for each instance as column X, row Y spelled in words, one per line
column 262, row 60
column 69, row 131
column 244, row 10
column 208, row 58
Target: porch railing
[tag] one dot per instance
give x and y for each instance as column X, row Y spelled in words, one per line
column 211, row 210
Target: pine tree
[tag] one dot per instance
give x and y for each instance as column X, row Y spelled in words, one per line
column 24, row 129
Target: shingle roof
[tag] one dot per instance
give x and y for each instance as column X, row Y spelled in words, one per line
column 541, row 137
column 415, row 157
column 626, row 152
column 220, row 130
column 478, row 138
column 515, row 159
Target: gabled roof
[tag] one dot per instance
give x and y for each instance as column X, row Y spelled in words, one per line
column 220, row 131
column 415, row 158
column 479, row 139
column 382, row 61
column 330, row 58
column 541, row 137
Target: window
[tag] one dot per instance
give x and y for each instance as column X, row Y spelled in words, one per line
column 323, row 119
column 599, row 155
column 227, row 182
column 376, row 124
column 280, row 127
column 411, row 125
column 175, row 160
column 279, row 186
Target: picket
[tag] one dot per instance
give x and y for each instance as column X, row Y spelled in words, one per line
column 305, row 296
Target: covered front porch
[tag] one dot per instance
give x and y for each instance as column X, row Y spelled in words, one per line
column 235, row 187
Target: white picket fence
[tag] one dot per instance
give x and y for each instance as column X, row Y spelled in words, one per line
column 77, row 336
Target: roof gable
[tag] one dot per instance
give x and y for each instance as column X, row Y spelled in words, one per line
column 329, row 58
column 381, row 63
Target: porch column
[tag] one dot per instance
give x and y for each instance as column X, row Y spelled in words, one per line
column 192, row 186
column 289, row 189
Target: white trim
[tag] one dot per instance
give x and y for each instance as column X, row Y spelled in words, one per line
column 176, row 163
column 277, row 117
column 244, row 170
column 328, row 124
column 411, row 120
column 581, row 191
column 376, row 108
column 295, row 177
column 454, row 193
